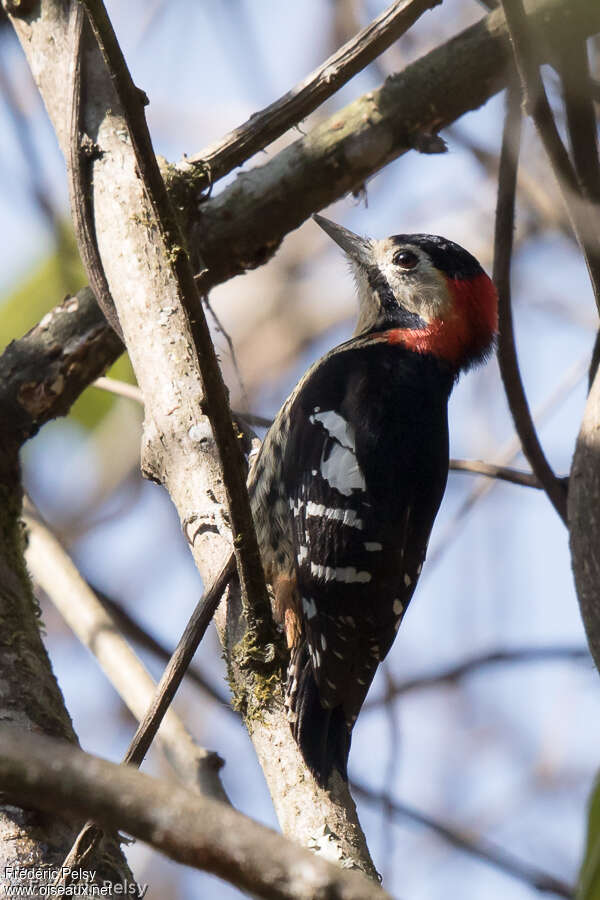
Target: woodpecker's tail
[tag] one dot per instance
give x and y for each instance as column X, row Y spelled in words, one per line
column 321, row 734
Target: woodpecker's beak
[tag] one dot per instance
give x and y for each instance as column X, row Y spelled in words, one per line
column 357, row 248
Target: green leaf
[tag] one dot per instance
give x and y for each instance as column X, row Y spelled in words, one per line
column 57, row 276
column 54, row 278
column 588, row 887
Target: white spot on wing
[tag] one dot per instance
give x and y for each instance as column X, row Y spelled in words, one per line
column 323, row 642
column 407, row 580
column 373, row 546
column 302, row 553
column 397, row 607
column 309, row 607
column 346, row 574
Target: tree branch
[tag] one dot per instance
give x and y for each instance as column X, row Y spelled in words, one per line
column 493, row 470
column 43, row 373
column 507, row 353
column 55, row 572
column 481, row 849
column 584, row 219
column 159, row 337
column 187, row 827
column 266, row 126
column 242, row 227
column 451, row 674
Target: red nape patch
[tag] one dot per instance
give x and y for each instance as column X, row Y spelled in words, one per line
column 465, row 333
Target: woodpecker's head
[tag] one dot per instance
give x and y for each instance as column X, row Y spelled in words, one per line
column 422, row 291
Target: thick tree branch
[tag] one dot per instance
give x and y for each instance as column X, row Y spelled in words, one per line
column 189, row 828
column 44, row 372
column 246, row 222
column 242, row 227
column 215, row 395
column 270, row 123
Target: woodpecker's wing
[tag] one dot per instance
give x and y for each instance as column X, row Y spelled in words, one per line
column 360, row 449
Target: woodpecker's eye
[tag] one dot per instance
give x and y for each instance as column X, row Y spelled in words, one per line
column 405, row 259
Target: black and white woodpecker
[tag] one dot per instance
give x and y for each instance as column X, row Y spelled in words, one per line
column 351, row 474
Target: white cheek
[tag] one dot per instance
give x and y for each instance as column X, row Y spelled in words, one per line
column 421, row 290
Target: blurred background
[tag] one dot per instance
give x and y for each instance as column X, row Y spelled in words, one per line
column 500, row 751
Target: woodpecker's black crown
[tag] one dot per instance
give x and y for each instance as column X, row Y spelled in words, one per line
column 448, row 257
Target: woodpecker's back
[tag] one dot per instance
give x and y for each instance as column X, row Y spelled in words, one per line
column 351, row 475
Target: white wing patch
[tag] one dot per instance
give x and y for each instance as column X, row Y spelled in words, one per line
column 340, row 469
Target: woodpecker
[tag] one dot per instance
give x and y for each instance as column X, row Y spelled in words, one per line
column 349, row 479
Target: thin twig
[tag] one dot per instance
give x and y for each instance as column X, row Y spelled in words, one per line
column 493, row 470
column 120, row 388
column 451, row 674
column 483, row 850
column 81, row 155
column 507, row 454
column 472, row 466
column 90, row 835
column 132, row 629
column 270, row 123
column 222, row 330
column 507, row 354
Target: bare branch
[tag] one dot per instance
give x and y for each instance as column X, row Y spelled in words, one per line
column 140, row 636
column 270, row 123
column 187, row 827
column 493, row 470
column 507, row 353
column 43, row 373
column 451, row 674
column 55, row 572
column 179, row 449
column 215, row 394
column 120, row 388
column 242, row 227
column 507, row 454
column 584, row 218
column 483, row 850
